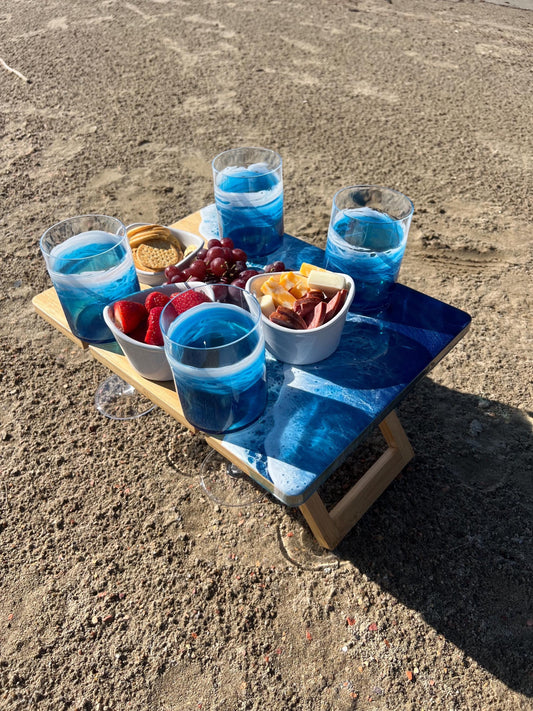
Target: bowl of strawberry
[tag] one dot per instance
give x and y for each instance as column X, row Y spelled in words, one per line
column 134, row 322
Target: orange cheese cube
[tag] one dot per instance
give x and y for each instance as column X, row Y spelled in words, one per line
column 279, row 294
column 288, row 280
column 270, row 284
column 306, row 269
column 300, row 289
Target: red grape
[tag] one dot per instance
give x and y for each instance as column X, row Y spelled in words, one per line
column 179, row 277
column 239, row 282
column 218, row 266
column 228, row 255
column 248, row 274
column 171, row 271
column 213, row 253
column 239, row 267
column 213, row 243
column 201, row 253
column 275, row 267
column 227, row 242
column 198, row 269
column 239, row 255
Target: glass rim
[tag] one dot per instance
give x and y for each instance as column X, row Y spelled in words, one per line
column 252, row 148
column 257, row 320
column 47, row 252
column 384, row 189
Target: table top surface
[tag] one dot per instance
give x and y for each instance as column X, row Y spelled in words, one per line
column 317, row 414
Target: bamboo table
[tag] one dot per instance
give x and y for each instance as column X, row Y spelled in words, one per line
column 317, row 415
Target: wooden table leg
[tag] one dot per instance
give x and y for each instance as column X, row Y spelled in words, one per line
column 330, row 527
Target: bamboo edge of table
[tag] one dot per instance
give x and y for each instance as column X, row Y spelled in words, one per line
column 328, row 526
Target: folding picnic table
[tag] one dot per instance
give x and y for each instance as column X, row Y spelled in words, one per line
column 318, row 414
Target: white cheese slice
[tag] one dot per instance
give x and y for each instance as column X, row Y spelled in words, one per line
column 328, row 282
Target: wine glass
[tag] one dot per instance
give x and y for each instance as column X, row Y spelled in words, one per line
column 215, row 346
column 90, row 262
column 118, row 400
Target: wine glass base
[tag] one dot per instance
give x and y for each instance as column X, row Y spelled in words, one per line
column 299, row 546
column 116, row 399
column 225, row 484
column 184, row 449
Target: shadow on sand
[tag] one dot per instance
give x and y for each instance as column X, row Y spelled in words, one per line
column 451, row 537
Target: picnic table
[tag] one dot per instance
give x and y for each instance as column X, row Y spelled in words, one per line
column 317, row 415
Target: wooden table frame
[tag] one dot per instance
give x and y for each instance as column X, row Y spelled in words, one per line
column 330, row 527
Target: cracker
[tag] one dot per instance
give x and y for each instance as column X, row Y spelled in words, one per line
column 142, row 228
column 154, row 247
column 177, row 245
column 148, row 234
column 156, row 254
column 139, row 265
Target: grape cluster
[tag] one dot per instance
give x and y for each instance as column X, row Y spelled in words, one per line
column 220, row 261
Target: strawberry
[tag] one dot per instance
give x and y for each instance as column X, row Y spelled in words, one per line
column 139, row 333
column 154, row 337
column 155, row 298
column 128, row 315
column 187, row 299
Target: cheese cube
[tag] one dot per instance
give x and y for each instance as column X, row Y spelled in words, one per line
column 271, row 283
column 300, row 289
column 280, row 296
column 306, row 268
column 295, row 283
column 288, row 280
column 267, row 305
column 328, row 282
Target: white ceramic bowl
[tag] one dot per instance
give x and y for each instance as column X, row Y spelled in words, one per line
column 185, row 238
column 150, row 361
column 302, row 347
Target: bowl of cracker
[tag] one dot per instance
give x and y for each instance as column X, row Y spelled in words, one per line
column 156, row 247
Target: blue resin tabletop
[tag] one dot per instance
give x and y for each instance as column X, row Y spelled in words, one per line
column 317, row 414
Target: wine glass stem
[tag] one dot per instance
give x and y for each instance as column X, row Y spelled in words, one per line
column 233, row 471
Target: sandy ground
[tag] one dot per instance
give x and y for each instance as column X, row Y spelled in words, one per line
column 121, row 585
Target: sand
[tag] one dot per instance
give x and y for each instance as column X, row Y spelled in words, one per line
column 121, row 585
